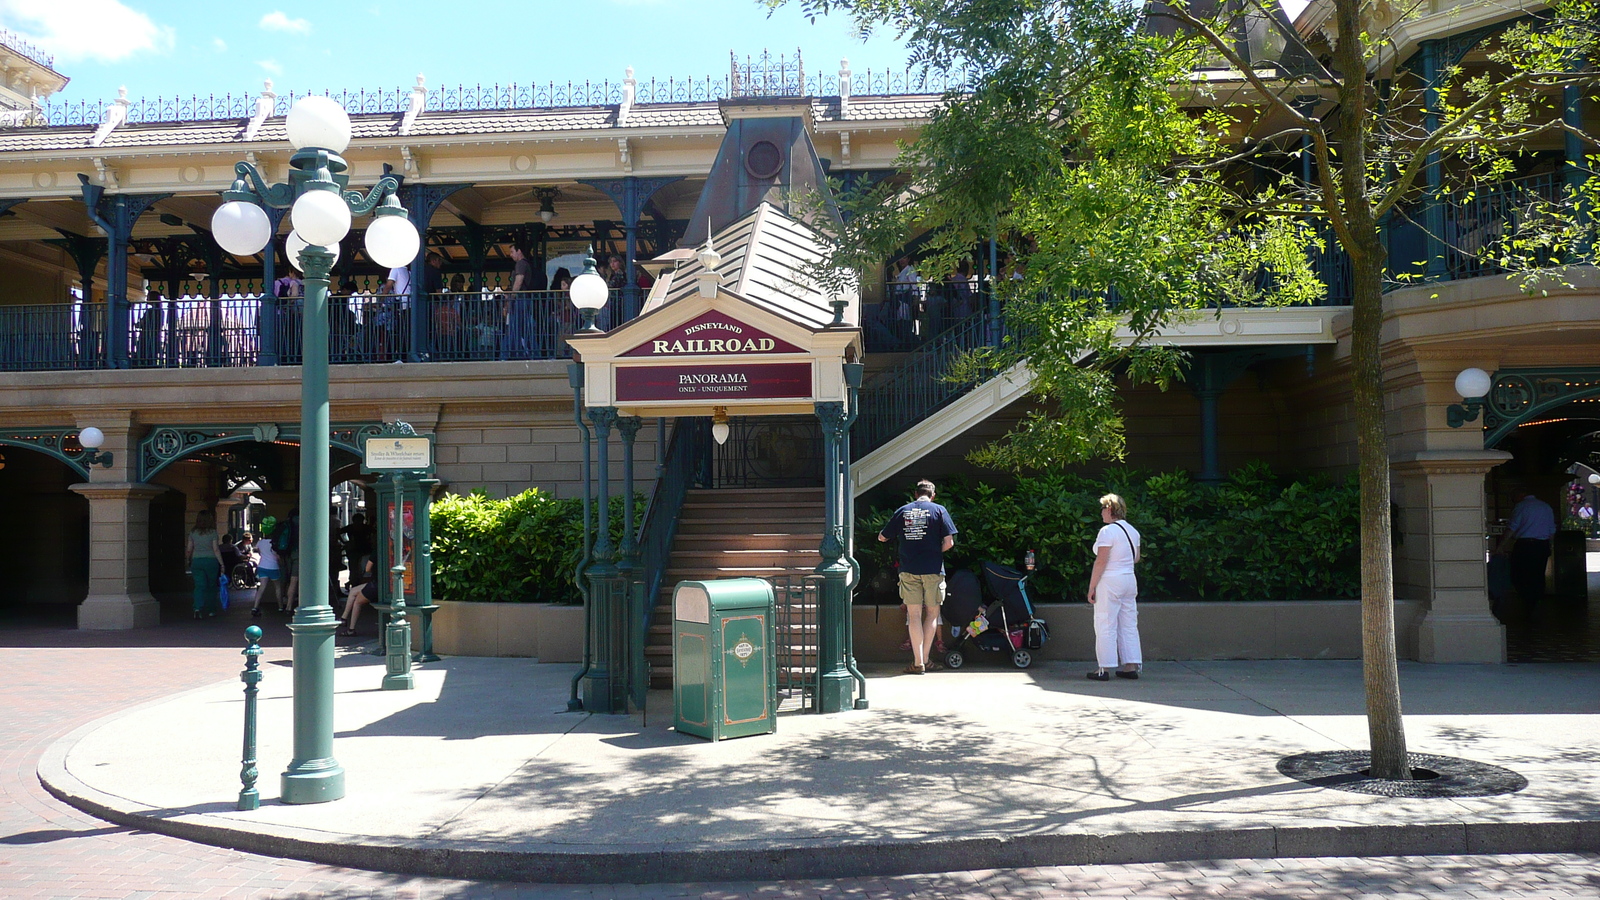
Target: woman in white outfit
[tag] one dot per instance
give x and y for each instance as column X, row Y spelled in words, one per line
column 1114, row 593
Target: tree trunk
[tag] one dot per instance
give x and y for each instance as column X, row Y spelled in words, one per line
column 1380, row 667
column 1379, row 660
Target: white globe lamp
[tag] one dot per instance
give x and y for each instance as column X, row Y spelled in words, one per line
column 589, row 292
column 241, row 228
column 321, row 217
column 392, row 241
column 294, row 243
column 1473, row 383
column 318, row 122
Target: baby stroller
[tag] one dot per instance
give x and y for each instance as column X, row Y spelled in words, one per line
column 1005, row 623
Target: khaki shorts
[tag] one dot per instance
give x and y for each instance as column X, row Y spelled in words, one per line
column 921, row 590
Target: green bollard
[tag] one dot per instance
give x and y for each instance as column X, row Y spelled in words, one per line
column 249, row 797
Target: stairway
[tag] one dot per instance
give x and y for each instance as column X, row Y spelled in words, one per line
column 733, row 533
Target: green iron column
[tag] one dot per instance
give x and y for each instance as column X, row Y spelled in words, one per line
column 314, row 776
column 834, row 682
column 631, row 612
column 1433, row 203
column 604, row 688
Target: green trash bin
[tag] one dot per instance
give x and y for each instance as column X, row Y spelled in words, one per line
column 724, row 673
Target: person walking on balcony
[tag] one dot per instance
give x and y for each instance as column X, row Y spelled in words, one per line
column 1527, row 540
column 204, row 562
column 397, row 303
column 923, row 531
column 1114, row 594
column 516, row 311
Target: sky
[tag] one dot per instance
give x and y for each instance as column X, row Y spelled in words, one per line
column 168, row 47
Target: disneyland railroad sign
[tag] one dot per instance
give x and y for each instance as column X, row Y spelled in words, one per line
column 710, row 333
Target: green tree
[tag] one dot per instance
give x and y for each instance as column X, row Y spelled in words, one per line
column 1094, row 147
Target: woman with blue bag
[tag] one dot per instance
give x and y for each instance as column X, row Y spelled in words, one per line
column 204, row 561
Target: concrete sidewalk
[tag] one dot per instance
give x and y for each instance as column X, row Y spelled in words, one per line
column 480, row 773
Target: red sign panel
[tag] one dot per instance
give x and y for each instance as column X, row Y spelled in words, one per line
column 712, row 334
column 752, row 381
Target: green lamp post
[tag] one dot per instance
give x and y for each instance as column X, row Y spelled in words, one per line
column 321, row 211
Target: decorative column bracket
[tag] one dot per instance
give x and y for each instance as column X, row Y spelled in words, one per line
column 115, row 214
column 1522, row 395
column 421, row 202
column 631, row 195
column 52, row 442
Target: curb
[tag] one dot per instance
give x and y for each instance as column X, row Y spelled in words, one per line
column 773, row 861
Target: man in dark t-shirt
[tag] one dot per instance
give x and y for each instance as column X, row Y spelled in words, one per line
column 924, row 531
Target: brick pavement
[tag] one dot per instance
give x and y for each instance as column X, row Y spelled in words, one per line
column 53, row 679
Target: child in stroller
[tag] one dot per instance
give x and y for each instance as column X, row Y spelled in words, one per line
column 1006, row 623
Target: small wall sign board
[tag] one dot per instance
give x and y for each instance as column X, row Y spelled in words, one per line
column 397, row 448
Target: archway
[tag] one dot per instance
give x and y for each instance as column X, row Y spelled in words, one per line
column 1555, row 443
column 240, row 473
column 44, row 534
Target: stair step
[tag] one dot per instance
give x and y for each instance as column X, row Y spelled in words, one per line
column 755, row 540
column 807, row 528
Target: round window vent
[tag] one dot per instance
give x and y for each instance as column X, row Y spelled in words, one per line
column 763, row 160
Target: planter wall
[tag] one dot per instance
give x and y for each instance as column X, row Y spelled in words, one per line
column 1305, row 629
column 539, row 631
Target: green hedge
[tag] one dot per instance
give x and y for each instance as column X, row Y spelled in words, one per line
column 1255, row 536
column 522, row 549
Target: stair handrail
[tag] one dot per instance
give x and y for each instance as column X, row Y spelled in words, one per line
column 915, row 387
column 678, row 472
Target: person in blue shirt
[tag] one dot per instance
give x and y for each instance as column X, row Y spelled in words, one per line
column 924, row 531
column 1527, row 539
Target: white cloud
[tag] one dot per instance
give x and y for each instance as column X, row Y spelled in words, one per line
column 97, row 30
column 220, row 45
column 271, row 65
column 277, row 21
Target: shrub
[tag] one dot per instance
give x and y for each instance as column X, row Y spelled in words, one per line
column 1254, row 536
column 522, row 549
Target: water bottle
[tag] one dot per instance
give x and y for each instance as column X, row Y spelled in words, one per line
column 1027, row 561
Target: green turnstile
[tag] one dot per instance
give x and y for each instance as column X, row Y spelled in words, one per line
column 724, row 673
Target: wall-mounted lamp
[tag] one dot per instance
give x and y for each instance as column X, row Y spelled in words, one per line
column 719, row 424
column 1473, row 385
column 92, row 439
column 547, row 204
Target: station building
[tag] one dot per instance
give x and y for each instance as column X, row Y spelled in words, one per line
column 118, row 311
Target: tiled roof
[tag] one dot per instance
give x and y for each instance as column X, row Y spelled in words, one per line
column 465, row 123
column 765, row 259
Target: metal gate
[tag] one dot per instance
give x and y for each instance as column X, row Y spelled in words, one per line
column 768, row 451
column 799, row 601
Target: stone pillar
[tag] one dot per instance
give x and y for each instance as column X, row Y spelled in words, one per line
column 119, row 565
column 1458, row 626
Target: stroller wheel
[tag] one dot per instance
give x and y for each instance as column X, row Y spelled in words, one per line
column 1022, row 659
column 954, row 659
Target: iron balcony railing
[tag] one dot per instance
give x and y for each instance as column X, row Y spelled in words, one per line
column 763, row 75
column 909, row 314
column 47, row 337
column 192, row 333
column 1476, row 219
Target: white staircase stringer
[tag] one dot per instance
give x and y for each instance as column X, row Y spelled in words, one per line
column 940, row 428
